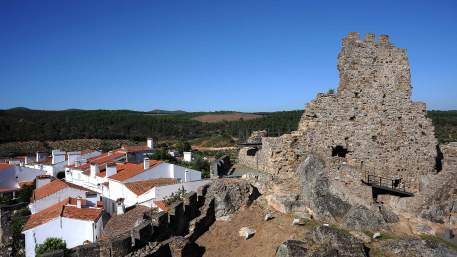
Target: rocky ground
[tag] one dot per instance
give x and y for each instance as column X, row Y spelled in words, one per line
column 223, row 239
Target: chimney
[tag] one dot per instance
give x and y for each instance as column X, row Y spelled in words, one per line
column 40, row 156
column 78, row 203
column 28, row 159
column 150, row 143
column 42, row 180
column 120, row 207
column 187, row 156
column 186, row 176
column 57, row 156
column 73, row 157
column 146, row 163
column 94, row 169
column 111, row 169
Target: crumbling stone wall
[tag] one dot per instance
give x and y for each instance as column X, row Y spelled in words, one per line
column 370, row 124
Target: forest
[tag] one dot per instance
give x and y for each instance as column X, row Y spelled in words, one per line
column 21, row 124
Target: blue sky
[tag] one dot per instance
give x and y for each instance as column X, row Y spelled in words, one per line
column 209, row 55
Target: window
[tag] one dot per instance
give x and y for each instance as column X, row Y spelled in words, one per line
column 339, row 151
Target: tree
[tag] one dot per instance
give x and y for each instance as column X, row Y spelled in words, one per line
column 201, row 165
column 183, row 146
column 49, row 245
column 331, row 91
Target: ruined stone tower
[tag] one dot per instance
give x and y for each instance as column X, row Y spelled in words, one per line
column 369, row 125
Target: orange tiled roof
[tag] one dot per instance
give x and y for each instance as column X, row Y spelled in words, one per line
column 135, row 148
column 161, row 205
column 141, row 187
column 63, row 209
column 4, row 166
column 53, row 187
column 74, row 212
column 86, row 151
column 100, row 159
column 130, row 170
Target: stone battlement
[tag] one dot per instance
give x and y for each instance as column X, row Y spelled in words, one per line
column 383, row 40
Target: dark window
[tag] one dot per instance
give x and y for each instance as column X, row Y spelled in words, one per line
column 339, row 151
column 252, row 152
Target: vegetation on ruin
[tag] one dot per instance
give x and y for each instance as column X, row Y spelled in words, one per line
column 175, row 197
column 49, row 245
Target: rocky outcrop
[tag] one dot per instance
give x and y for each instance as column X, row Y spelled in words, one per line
column 415, row 247
column 361, row 218
column 438, row 201
column 230, row 195
column 327, row 241
column 292, row 248
column 316, row 193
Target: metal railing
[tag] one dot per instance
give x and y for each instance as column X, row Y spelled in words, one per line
column 394, row 184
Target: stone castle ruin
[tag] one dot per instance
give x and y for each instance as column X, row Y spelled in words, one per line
column 369, row 126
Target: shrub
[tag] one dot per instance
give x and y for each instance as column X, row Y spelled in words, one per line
column 49, row 245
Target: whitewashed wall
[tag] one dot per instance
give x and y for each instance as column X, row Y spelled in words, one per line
column 59, row 196
column 73, row 231
column 165, row 191
column 166, row 170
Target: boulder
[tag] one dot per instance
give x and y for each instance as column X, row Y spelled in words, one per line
column 230, row 195
column 246, row 232
column 361, row 236
column 388, row 215
column 333, row 239
column 416, row 247
column 376, row 235
column 292, row 248
column 268, row 217
column 315, row 184
column 360, row 217
column 299, row 221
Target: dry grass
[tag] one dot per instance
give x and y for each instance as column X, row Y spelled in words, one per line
column 212, row 118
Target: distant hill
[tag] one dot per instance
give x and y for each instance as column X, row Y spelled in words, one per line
column 158, row 111
column 22, row 124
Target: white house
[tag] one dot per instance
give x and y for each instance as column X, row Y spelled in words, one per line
column 48, row 193
column 93, row 173
column 70, row 220
column 12, row 177
column 54, row 165
column 142, row 184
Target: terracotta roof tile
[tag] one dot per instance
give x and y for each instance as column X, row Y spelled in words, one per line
column 124, row 223
column 67, row 209
column 54, row 187
column 135, row 148
column 141, row 187
column 131, row 170
column 74, row 212
column 4, row 166
column 161, row 205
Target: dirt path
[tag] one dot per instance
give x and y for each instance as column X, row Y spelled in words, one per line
column 222, row 240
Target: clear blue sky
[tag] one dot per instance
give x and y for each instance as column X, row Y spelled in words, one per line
column 209, row 55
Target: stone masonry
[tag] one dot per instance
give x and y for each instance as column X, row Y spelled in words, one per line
column 369, row 125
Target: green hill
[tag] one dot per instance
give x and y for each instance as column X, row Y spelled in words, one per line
column 22, row 124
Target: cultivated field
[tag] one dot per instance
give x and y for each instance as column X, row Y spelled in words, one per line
column 217, row 117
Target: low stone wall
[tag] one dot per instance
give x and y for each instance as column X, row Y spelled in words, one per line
column 7, row 242
column 188, row 219
column 220, row 167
